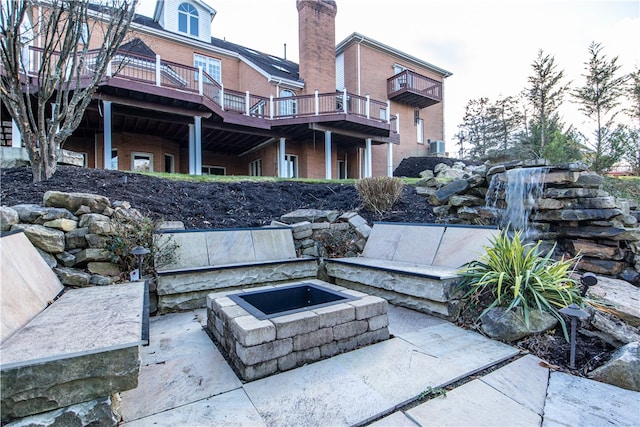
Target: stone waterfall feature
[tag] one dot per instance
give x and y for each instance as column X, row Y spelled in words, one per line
column 568, row 208
column 514, row 195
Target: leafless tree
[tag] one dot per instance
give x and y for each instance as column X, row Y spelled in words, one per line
column 54, row 54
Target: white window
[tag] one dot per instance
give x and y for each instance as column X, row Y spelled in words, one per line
column 291, row 166
column 114, row 159
column 420, row 131
column 214, row 170
column 255, row 167
column 188, row 19
column 142, row 162
column 211, row 66
column 287, row 107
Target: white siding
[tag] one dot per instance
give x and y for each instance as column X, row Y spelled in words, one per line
column 169, row 19
column 340, row 72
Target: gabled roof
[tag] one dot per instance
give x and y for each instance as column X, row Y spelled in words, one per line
column 273, row 67
column 138, row 46
column 359, row 38
column 160, row 7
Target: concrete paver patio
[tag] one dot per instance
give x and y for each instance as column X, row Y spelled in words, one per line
column 185, row 381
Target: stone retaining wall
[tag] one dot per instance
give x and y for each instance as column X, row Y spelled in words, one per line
column 573, row 212
column 71, row 232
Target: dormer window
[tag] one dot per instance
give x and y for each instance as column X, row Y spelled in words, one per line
column 188, row 19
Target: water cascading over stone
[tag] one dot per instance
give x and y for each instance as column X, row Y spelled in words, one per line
column 513, row 196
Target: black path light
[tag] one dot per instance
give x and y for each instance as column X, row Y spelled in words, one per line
column 575, row 313
column 587, row 280
column 139, row 252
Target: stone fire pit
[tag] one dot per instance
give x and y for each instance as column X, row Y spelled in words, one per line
column 259, row 348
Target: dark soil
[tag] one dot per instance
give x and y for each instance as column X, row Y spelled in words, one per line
column 252, row 204
column 207, row 205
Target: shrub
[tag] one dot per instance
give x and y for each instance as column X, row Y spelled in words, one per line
column 512, row 274
column 138, row 231
column 378, row 194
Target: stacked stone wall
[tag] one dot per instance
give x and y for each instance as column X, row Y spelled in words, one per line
column 71, row 231
column 574, row 213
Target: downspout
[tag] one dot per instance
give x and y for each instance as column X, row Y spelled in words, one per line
column 358, row 65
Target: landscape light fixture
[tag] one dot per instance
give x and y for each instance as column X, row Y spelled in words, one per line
column 587, row 280
column 575, row 313
column 139, row 252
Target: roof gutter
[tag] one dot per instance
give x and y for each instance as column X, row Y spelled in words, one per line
column 359, row 38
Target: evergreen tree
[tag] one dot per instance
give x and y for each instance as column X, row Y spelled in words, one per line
column 508, row 121
column 476, row 127
column 545, row 93
column 632, row 153
column 599, row 99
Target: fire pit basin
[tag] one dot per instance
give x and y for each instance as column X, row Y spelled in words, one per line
column 266, row 304
column 317, row 320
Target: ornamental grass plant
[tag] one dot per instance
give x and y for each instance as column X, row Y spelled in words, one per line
column 513, row 274
column 380, row 193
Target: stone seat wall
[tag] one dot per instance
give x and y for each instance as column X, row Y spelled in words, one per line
column 216, row 260
column 82, row 347
column 413, row 265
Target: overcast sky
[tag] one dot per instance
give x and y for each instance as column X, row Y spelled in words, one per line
column 487, row 45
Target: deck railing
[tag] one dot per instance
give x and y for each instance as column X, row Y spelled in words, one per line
column 415, row 83
column 159, row 72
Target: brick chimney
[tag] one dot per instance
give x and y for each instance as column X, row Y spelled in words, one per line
column 317, row 44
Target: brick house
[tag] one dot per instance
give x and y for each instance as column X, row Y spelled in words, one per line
column 183, row 101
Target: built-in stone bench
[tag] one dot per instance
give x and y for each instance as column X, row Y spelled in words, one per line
column 259, row 348
column 216, row 260
column 413, row 265
column 82, row 347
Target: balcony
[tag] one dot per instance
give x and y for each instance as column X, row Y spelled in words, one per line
column 413, row 89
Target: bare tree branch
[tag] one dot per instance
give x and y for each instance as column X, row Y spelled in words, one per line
column 54, row 55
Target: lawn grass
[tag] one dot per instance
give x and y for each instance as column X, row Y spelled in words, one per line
column 246, row 178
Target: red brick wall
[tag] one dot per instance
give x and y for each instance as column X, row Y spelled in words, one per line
column 317, row 41
column 375, row 68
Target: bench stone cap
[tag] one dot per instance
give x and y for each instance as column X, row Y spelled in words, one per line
column 82, row 321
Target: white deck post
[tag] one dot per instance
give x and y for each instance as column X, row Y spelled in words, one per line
column 107, row 134
column 317, row 102
column 198, row 144
column 192, row 143
column 389, row 159
column 282, row 173
column 344, row 101
column 247, row 101
column 368, row 106
column 271, row 107
column 200, row 81
column 327, row 155
column 158, row 69
column 367, row 159
column 222, row 96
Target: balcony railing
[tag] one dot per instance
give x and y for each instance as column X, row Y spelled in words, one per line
column 162, row 73
column 414, row 89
